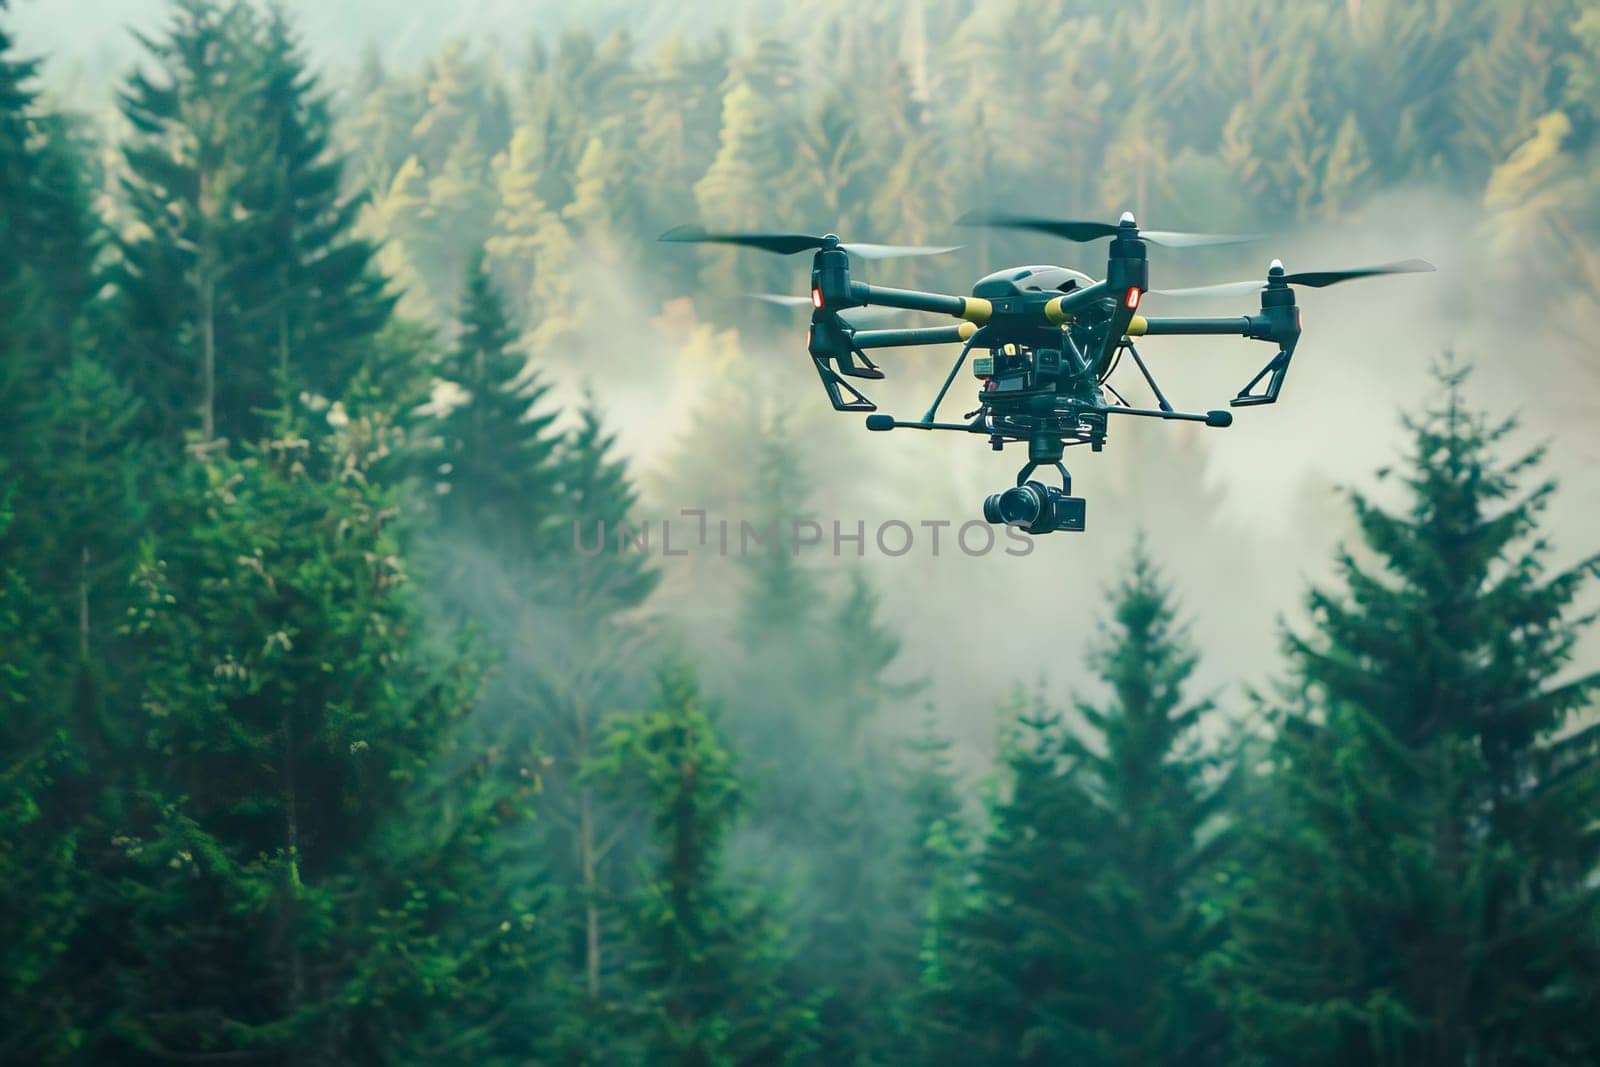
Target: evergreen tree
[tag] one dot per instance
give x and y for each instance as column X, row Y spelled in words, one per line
column 91, row 514
column 940, row 835
column 322, row 300
column 590, row 595
column 67, row 518
column 46, row 243
column 737, row 190
column 707, row 983
column 532, row 249
column 1005, row 991
column 188, row 170
column 1426, row 893
column 240, row 281
column 287, row 880
column 46, row 229
column 42, row 883
column 1150, row 801
column 496, row 464
column 931, row 881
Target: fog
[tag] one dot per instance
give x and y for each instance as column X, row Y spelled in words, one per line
column 1241, row 518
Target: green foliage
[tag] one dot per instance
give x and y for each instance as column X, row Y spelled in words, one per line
column 42, row 884
column 1006, row 979
column 707, row 983
column 291, row 739
column 239, row 281
column 68, row 516
column 1429, row 893
column 495, row 471
column 1083, row 940
column 1153, row 798
column 287, row 814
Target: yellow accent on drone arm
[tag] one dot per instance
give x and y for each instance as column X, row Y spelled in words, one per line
column 1059, row 310
column 976, row 309
column 966, row 330
column 1137, row 326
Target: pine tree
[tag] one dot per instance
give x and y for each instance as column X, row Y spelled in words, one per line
column 531, row 248
column 188, row 171
column 1005, row 990
column 1427, row 893
column 810, row 683
column 323, row 300
column 738, row 189
column 46, row 243
column 597, row 494
column 496, row 462
column 857, row 908
column 241, row 281
column 707, row 986
column 590, row 595
column 1151, row 799
column 91, row 513
column 42, row 882
column 46, row 230
column 935, row 865
column 67, row 517
column 290, row 876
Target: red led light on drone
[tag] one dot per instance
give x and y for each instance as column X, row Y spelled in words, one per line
column 816, row 298
column 1132, row 300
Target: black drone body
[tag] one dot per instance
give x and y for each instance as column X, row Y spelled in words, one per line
column 1052, row 336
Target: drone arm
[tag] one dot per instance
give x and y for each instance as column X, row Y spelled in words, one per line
column 1218, row 419
column 1142, row 327
column 973, row 309
column 882, row 423
column 1059, row 309
column 1278, row 324
column 937, row 335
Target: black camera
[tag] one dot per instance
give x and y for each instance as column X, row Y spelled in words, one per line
column 1037, row 509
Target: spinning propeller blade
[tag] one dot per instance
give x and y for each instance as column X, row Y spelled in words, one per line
column 853, row 317
column 787, row 244
column 1314, row 279
column 872, row 251
column 1076, row 230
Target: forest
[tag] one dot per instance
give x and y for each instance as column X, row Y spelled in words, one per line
column 324, row 741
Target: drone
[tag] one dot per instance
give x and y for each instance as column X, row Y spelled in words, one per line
column 1053, row 336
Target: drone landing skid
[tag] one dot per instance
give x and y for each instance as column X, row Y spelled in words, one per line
column 837, row 387
column 1274, row 372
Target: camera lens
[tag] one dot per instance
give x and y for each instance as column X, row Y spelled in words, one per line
column 1035, row 508
column 1021, row 506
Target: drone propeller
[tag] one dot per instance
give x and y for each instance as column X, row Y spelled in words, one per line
column 787, row 244
column 854, row 317
column 1079, row 231
column 783, row 301
column 1314, row 279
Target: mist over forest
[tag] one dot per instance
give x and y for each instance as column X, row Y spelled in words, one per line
column 332, row 331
